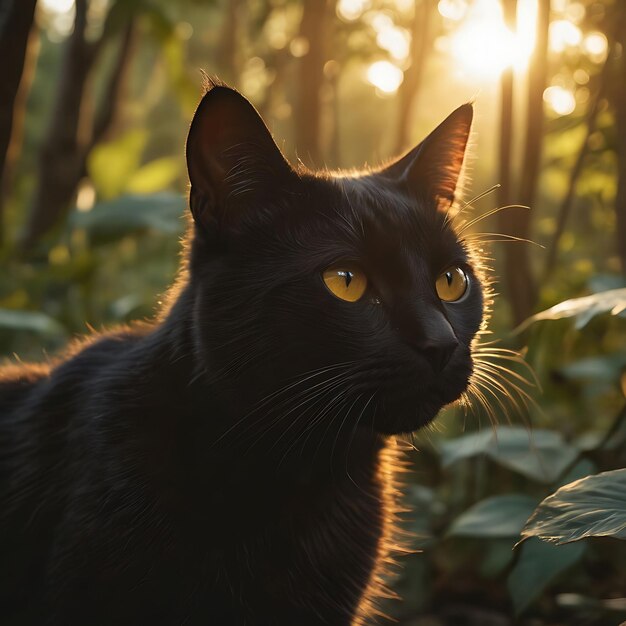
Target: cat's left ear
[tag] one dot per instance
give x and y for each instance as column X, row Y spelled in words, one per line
column 232, row 159
column 432, row 169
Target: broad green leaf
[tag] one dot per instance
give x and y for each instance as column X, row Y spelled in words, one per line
column 158, row 175
column 112, row 164
column 541, row 455
column 497, row 516
column 594, row 506
column 583, row 309
column 109, row 221
column 582, row 469
column 539, row 563
column 606, row 368
column 33, row 321
column 497, row 556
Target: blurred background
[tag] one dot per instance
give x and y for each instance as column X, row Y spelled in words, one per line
column 95, row 100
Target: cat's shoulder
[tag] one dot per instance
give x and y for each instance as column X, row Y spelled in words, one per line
column 81, row 358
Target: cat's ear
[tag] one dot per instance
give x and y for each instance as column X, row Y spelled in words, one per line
column 432, row 169
column 231, row 157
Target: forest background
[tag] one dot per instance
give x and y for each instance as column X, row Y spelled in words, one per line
column 95, row 101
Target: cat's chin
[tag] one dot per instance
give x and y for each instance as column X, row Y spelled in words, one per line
column 407, row 415
column 408, row 422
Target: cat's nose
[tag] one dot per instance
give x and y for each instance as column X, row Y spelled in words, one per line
column 434, row 338
column 439, row 352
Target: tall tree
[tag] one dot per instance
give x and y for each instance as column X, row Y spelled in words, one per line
column 620, row 114
column 422, row 36
column 16, row 20
column 505, row 151
column 63, row 154
column 523, row 289
column 314, row 36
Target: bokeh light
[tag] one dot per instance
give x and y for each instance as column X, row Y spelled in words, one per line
column 385, row 76
column 351, row 10
column 58, row 6
column 564, row 34
column 596, row 46
column 561, row 100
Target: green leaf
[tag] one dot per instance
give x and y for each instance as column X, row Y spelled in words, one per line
column 33, row 321
column 112, row 164
column 497, row 516
column 110, row 221
column 583, row 309
column 606, row 368
column 594, row 506
column 540, row 455
column 155, row 176
column 497, row 556
column 537, row 566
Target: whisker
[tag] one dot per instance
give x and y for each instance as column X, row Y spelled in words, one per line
column 463, row 227
column 492, row 386
column 500, row 238
column 475, row 391
column 480, row 196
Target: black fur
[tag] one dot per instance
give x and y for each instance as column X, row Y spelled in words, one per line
column 231, row 464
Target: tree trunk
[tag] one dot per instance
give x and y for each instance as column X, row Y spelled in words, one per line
column 505, row 162
column 421, row 43
column 310, row 79
column 66, row 146
column 16, row 20
column 620, row 114
column 522, row 283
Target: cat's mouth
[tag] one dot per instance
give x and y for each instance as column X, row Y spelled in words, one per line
column 411, row 407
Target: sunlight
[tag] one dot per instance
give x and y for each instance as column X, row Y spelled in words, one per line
column 351, row 10
column 596, row 46
column 483, row 46
column 560, row 100
column 564, row 34
column 385, row 76
column 58, row 6
column 396, row 40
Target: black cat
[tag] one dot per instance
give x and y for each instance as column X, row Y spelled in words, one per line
column 232, row 463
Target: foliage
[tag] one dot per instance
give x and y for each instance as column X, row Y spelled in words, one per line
column 471, row 514
column 594, row 506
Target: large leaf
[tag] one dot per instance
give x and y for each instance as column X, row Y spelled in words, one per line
column 540, row 455
column 494, row 517
column 584, row 309
column 594, row 506
column 109, row 221
column 606, row 368
column 539, row 564
column 32, row 321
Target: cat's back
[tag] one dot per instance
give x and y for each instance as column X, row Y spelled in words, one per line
column 46, row 412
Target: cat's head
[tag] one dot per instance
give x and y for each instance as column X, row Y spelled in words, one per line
column 329, row 300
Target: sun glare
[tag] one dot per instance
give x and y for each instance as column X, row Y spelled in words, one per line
column 482, row 45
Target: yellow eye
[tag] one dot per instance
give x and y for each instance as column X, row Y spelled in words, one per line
column 346, row 282
column 452, row 284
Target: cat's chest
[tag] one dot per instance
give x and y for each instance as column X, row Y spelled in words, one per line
column 317, row 547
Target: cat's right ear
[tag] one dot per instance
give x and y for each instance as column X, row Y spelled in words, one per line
column 231, row 158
